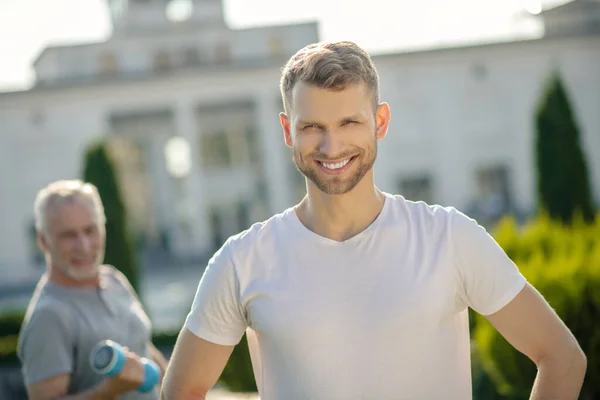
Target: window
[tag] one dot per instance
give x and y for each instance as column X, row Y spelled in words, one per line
column 129, row 156
column 253, row 145
column 228, row 135
column 232, row 147
column 228, row 218
column 108, row 63
column 492, row 181
column 479, row 71
column 161, row 61
column 215, row 150
column 238, row 147
column 223, row 53
column 493, row 193
column 37, row 118
column 416, row 188
column 191, row 56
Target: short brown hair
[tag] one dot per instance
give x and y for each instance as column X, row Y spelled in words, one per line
column 329, row 65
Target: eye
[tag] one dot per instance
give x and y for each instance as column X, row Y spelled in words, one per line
column 68, row 235
column 349, row 121
column 310, row 126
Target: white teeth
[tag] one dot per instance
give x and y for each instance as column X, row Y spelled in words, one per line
column 336, row 165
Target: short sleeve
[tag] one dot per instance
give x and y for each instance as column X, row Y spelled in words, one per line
column 216, row 314
column 488, row 278
column 46, row 345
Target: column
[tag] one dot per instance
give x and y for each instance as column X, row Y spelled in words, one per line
column 276, row 155
column 161, row 185
column 195, row 240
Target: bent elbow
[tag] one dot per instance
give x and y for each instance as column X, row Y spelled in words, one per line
column 575, row 360
column 183, row 394
column 569, row 357
column 580, row 359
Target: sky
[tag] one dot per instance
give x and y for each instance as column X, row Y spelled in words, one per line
column 27, row 26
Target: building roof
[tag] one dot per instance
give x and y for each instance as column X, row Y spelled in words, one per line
column 572, row 6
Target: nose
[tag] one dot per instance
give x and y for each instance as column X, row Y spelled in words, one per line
column 332, row 143
column 84, row 244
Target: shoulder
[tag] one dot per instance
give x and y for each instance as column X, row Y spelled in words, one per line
column 422, row 214
column 261, row 235
column 111, row 272
column 46, row 304
column 445, row 223
column 112, row 275
column 47, row 315
column 47, row 309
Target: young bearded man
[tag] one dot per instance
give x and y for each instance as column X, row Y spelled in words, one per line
column 355, row 293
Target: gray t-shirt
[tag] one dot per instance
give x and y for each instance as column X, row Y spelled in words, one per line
column 62, row 325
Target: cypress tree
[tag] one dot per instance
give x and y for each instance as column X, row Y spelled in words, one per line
column 99, row 169
column 562, row 178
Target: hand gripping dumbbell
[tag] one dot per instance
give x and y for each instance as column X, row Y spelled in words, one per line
column 108, row 358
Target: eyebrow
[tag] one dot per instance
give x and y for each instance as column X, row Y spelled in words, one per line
column 303, row 122
column 354, row 117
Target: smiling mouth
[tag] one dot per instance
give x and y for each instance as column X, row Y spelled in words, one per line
column 82, row 262
column 336, row 166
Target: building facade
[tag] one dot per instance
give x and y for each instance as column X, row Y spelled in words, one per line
column 191, row 110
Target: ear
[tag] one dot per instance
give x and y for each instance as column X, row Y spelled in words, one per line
column 42, row 242
column 382, row 119
column 285, row 125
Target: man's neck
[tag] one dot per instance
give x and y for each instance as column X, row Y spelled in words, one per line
column 340, row 217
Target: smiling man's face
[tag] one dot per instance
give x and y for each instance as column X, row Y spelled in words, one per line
column 333, row 135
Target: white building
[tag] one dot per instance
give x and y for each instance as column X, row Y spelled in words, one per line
column 462, row 130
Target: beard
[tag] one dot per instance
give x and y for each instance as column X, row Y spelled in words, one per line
column 83, row 274
column 335, row 184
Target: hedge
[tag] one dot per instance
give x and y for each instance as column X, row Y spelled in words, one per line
column 10, row 324
column 563, row 263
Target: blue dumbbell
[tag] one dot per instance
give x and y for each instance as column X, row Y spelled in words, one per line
column 108, row 358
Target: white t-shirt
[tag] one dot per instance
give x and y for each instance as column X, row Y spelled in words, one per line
column 382, row 315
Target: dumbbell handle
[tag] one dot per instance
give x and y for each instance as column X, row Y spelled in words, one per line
column 108, row 358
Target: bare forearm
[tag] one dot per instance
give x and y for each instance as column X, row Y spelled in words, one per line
column 559, row 378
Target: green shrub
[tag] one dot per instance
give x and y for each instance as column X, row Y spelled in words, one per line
column 563, row 263
column 560, row 160
column 8, row 349
column 99, row 169
column 164, row 339
column 238, row 375
column 10, row 324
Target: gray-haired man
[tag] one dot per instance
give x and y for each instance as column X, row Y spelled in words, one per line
column 79, row 302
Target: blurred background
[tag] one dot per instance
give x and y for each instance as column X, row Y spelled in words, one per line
column 171, row 109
